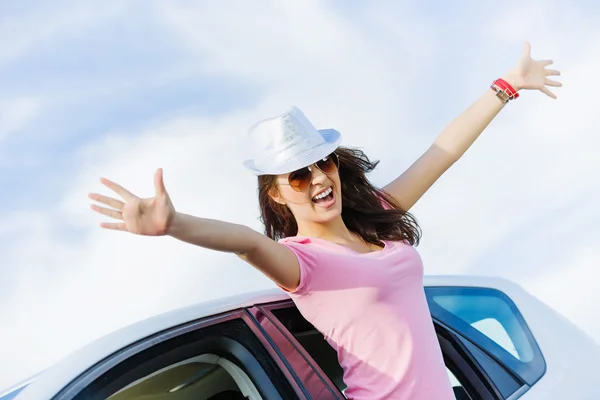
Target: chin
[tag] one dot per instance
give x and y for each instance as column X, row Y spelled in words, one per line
column 329, row 215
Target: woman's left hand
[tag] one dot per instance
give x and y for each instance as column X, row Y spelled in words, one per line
column 533, row 74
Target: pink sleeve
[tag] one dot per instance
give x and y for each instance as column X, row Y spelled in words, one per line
column 307, row 259
column 384, row 203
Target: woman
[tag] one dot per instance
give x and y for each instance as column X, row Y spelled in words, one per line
column 334, row 241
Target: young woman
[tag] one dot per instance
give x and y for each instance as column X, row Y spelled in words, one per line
column 342, row 248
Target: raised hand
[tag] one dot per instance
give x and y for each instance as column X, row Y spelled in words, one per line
column 150, row 217
column 533, row 74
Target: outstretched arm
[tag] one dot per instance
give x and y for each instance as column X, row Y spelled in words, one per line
column 457, row 137
column 274, row 260
column 156, row 216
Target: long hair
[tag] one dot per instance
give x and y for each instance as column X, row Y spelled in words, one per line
column 366, row 210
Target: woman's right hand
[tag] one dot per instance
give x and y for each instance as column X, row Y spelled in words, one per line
column 150, row 217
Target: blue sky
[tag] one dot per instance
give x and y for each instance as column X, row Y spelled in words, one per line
column 120, row 88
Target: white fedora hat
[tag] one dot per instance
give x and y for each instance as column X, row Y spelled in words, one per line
column 288, row 142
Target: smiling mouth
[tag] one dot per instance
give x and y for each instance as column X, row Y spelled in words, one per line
column 323, row 197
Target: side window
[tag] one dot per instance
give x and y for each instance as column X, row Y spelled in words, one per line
column 491, row 314
column 220, row 361
column 207, row 376
column 491, row 328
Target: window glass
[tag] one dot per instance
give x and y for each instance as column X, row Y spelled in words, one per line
column 492, row 316
column 493, row 329
column 190, row 379
column 489, row 319
column 221, row 361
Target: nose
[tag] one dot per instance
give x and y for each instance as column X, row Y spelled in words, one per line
column 318, row 177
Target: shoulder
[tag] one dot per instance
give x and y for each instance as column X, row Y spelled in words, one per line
column 308, row 257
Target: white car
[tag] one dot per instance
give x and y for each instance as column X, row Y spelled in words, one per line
column 498, row 342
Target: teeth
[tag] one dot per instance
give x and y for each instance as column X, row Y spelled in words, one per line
column 325, row 193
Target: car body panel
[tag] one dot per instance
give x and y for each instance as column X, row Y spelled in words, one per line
column 12, row 391
column 571, row 356
column 58, row 376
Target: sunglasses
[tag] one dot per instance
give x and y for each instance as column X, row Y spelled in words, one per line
column 300, row 179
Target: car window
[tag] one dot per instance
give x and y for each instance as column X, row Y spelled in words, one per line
column 493, row 329
column 491, row 315
column 490, row 321
column 207, row 360
column 207, row 376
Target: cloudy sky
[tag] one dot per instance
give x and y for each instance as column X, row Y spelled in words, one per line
column 121, row 87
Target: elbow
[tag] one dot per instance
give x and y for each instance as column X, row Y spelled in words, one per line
column 252, row 245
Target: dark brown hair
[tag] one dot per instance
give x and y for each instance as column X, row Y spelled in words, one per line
column 362, row 208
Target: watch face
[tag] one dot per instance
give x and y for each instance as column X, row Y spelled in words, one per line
column 502, row 95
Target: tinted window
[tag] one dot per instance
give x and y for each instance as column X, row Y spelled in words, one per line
column 202, row 361
column 492, row 322
column 201, row 377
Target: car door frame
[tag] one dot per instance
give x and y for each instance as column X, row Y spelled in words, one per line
column 84, row 380
column 301, row 365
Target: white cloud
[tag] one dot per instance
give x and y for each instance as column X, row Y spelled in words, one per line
column 365, row 74
column 45, row 23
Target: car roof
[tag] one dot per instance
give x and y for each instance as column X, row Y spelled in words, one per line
column 70, row 367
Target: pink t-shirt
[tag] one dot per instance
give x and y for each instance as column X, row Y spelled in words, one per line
column 372, row 309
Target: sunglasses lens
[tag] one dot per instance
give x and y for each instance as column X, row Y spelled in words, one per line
column 329, row 164
column 300, row 179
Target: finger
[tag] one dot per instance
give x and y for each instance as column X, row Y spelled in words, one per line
column 527, row 49
column 550, row 82
column 547, row 91
column 159, row 183
column 554, row 72
column 119, row 226
column 545, row 63
column 120, row 190
column 109, row 201
column 108, row 212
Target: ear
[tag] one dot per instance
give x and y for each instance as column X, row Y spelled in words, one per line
column 276, row 196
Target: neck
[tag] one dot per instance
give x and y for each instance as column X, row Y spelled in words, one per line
column 334, row 231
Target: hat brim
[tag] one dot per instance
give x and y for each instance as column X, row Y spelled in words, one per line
column 332, row 141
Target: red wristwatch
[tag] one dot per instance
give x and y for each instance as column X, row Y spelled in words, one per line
column 504, row 90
